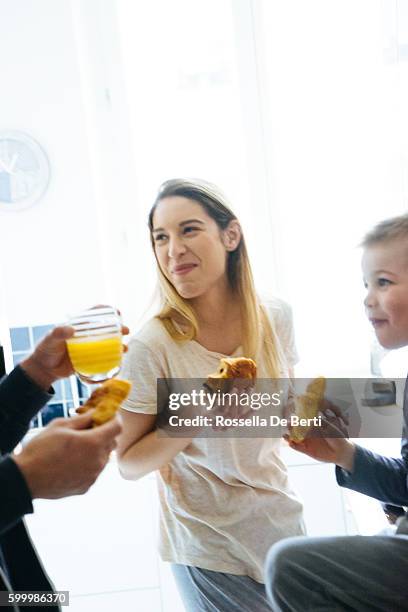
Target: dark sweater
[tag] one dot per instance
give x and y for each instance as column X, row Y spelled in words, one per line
column 20, row 400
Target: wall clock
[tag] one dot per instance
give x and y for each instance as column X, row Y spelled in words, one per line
column 24, row 170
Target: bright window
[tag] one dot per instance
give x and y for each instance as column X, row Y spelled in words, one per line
column 296, row 109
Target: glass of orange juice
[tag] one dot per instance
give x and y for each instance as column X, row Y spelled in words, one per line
column 96, row 347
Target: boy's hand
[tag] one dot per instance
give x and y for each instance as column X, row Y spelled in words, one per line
column 328, row 443
column 330, row 450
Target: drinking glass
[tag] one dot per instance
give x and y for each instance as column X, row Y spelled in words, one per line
column 96, row 348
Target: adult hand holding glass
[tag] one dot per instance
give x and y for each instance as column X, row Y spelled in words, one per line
column 50, row 359
column 95, row 348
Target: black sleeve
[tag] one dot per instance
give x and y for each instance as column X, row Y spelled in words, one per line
column 383, row 478
column 15, row 494
column 20, row 400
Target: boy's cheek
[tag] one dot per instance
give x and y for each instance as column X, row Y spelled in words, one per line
column 393, row 339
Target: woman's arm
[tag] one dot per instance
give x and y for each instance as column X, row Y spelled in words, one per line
column 141, row 449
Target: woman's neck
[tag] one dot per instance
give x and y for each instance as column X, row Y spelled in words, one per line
column 216, row 307
column 219, row 321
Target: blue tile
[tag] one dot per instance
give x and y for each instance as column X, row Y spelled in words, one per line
column 17, row 357
column 83, row 390
column 34, row 423
column 57, row 386
column 50, row 412
column 68, row 406
column 20, row 339
column 67, row 388
column 39, row 332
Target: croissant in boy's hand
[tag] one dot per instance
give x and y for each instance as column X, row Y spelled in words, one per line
column 307, row 407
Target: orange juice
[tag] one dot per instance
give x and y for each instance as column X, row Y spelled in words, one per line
column 97, row 356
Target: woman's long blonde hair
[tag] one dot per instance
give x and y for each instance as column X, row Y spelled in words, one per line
column 257, row 333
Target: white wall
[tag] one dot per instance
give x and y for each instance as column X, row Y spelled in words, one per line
column 50, row 252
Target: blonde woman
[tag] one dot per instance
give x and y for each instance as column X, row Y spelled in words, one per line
column 223, row 501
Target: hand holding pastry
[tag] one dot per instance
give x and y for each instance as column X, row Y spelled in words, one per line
column 234, row 377
column 307, row 406
column 233, row 372
column 106, row 400
column 328, row 442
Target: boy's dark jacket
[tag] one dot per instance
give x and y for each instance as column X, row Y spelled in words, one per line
column 383, row 478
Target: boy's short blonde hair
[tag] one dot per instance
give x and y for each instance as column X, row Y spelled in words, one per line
column 387, row 231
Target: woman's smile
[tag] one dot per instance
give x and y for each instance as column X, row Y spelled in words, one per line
column 183, row 269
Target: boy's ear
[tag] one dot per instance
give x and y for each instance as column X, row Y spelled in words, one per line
column 232, row 235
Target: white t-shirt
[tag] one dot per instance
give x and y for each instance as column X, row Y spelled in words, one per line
column 223, row 501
